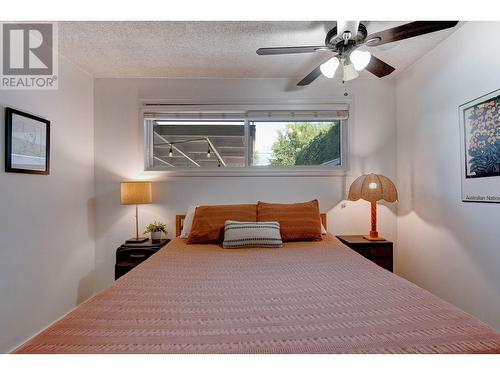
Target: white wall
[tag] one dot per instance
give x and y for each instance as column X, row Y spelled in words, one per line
column 446, row 246
column 46, row 222
column 119, row 155
column 50, row 262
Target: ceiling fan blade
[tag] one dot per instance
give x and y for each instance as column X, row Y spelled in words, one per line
column 406, row 31
column 290, row 50
column 378, row 67
column 310, row 77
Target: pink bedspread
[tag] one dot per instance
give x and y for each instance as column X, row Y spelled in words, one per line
column 316, row 297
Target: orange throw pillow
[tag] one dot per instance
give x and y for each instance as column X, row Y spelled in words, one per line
column 208, row 221
column 298, row 221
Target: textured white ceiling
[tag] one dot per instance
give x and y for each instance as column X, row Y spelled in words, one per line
column 216, row 49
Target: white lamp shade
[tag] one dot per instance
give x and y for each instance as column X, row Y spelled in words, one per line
column 328, row 68
column 360, row 59
column 350, row 72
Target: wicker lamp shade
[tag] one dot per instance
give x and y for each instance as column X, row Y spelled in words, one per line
column 372, row 188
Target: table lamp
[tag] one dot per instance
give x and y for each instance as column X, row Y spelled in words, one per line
column 136, row 192
column 373, row 187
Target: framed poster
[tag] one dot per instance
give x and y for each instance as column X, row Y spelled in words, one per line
column 27, row 143
column 480, row 148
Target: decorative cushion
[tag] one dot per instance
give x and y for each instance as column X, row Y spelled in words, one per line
column 251, row 234
column 298, row 221
column 208, row 222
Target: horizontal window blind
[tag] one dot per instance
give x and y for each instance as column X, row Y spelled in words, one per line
column 323, row 112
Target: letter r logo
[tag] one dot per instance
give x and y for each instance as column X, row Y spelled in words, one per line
column 27, row 49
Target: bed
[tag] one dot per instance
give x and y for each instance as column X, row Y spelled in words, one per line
column 307, row 297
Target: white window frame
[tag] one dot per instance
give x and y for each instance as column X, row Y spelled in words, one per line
column 306, row 170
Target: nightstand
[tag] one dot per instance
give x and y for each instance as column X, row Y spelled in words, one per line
column 129, row 255
column 379, row 252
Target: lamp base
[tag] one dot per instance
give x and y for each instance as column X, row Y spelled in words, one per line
column 374, row 238
column 137, row 240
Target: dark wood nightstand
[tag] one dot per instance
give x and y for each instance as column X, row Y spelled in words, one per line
column 129, row 255
column 379, row 252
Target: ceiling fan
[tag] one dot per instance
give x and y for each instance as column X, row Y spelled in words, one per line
column 343, row 42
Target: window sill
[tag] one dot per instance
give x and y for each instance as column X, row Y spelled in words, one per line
column 251, row 172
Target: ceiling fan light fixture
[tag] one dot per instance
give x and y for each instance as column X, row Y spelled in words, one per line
column 349, row 72
column 360, row 59
column 328, row 68
column 346, row 36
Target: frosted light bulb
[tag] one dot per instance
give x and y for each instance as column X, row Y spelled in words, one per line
column 360, row 59
column 350, row 72
column 328, row 68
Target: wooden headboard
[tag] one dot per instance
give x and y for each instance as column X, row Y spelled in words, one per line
column 179, row 223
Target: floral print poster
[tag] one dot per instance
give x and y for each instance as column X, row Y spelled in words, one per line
column 480, row 135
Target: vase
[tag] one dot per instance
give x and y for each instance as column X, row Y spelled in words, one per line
column 156, row 236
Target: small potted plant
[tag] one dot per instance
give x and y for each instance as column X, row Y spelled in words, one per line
column 156, row 229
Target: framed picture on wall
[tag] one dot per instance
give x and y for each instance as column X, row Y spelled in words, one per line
column 480, row 148
column 27, row 143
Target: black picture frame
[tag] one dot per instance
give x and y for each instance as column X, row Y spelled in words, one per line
column 10, row 114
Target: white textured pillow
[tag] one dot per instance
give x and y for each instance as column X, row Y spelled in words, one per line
column 188, row 222
column 251, row 234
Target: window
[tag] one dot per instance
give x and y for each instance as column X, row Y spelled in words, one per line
column 255, row 140
column 297, row 143
column 198, row 144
